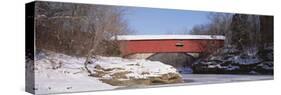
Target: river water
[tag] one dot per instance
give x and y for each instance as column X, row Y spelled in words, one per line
column 198, row 79
column 221, row 78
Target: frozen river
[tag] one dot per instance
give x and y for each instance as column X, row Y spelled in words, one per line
column 221, row 78
column 196, row 79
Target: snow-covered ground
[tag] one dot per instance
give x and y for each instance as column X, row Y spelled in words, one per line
column 51, row 81
column 58, row 73
column 70, row 77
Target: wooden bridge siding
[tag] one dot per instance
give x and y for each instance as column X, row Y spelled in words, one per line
column 158, row 46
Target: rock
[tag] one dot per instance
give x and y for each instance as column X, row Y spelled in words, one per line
column 265, row 67
column 98, row 67
column 231, row 61
column 118, row 77
column 68, row 87
column 118, row 82
column 163, row 79
column 166, row 78
column 98, row 73
column 266, row 54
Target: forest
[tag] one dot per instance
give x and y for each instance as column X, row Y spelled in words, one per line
column 77, row 29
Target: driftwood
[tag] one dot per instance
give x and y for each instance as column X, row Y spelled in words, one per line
column 88, row 61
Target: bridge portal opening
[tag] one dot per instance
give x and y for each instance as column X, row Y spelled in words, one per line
column 181, row 61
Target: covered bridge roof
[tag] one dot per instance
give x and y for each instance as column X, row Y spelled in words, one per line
column 170, row 37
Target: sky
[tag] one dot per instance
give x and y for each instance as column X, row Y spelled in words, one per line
column 152, row 21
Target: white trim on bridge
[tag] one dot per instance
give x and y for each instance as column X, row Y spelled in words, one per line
column 169, row 37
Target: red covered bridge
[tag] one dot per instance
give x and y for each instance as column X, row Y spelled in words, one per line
column 143, row 46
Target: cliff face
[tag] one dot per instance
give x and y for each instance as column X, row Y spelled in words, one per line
column 249, row 48
column 229, row 60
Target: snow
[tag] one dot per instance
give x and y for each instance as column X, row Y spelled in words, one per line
column 136, row 67
column 160, row 37
column 248, row 56
column 70, row 77
column 238, row 59
column 52, row 81
column 58, row 73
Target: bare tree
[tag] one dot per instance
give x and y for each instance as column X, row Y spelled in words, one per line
column 79, row 29
column 219, row 25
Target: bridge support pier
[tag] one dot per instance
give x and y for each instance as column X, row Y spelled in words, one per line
column 139, row 55
column 195, row 55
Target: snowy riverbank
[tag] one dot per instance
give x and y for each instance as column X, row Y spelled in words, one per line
column 57, row 73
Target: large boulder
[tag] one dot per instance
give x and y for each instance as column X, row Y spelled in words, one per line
column 162, row 79
column 133, row 72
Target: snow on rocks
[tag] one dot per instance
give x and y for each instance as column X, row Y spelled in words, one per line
column 136, row 67
column 55, row 72
column 229, row 60
column 58, row 73
column 118, row 71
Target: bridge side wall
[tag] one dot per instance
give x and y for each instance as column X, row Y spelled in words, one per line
column 162, row 46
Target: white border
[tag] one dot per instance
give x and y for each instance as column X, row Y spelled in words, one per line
column 12, row 46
